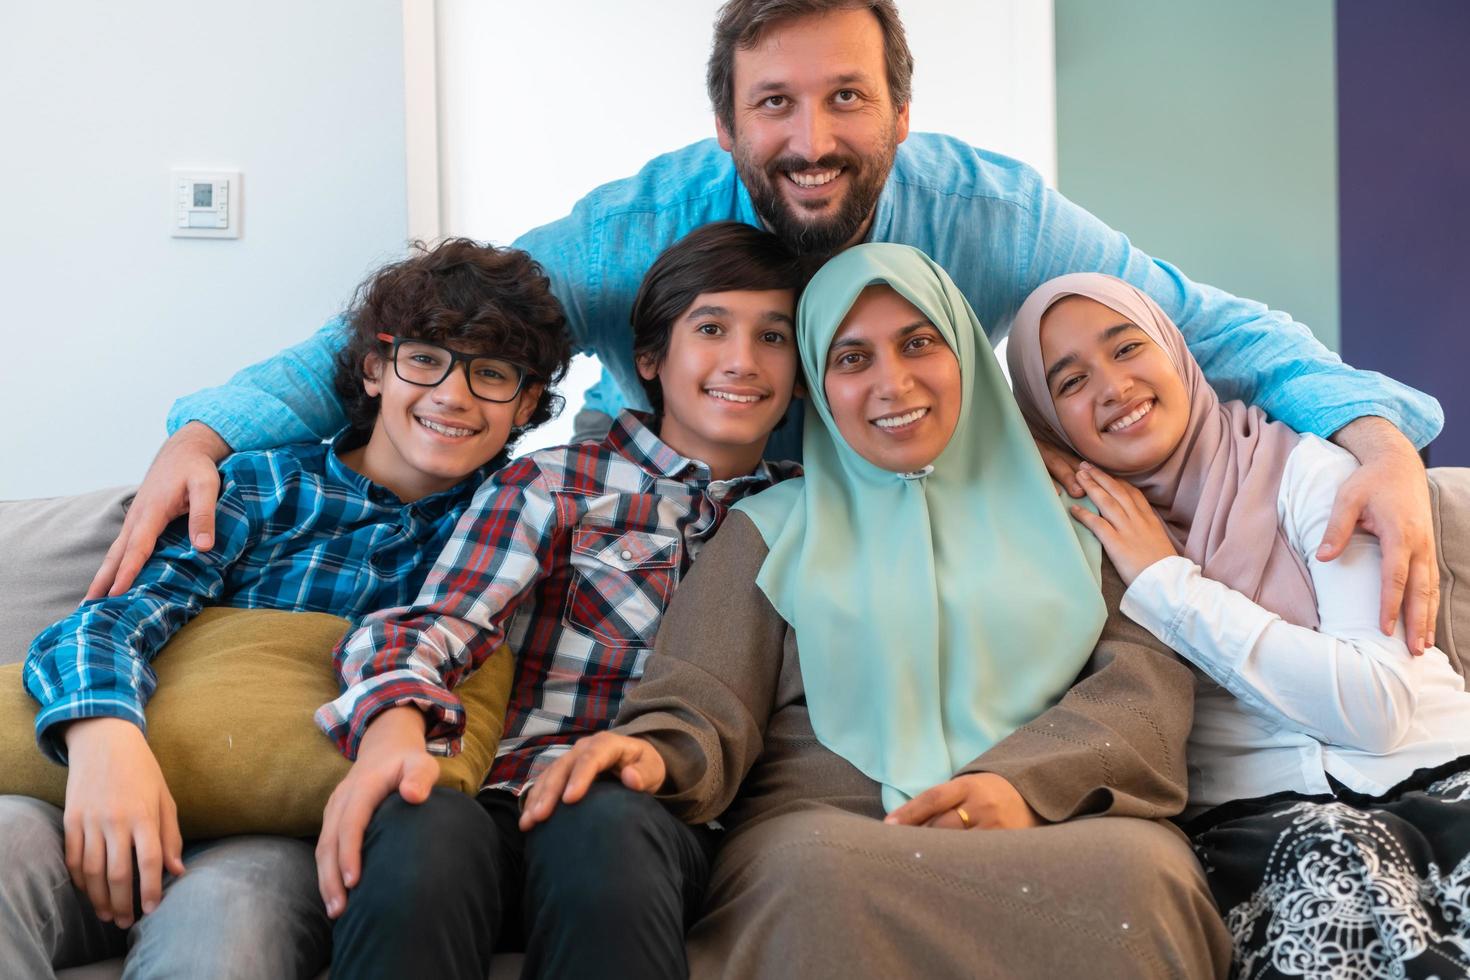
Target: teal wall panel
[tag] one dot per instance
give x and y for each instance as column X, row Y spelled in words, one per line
column 1206, row 131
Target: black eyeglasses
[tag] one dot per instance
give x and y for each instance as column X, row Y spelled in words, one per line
column 491, row 379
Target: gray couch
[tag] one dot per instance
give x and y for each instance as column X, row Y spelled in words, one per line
column 49, row 550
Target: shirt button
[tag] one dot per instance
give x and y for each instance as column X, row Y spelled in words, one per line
column 626, row 555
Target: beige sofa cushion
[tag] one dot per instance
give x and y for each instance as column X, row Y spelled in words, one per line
column 1449, row 498
column 49, row 551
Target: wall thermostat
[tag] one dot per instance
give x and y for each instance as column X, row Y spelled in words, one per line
column 206, row 204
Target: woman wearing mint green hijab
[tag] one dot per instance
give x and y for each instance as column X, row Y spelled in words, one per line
column 959, row 670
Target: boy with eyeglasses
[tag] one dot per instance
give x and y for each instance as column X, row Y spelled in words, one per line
column 449, row 358
column 570, row 555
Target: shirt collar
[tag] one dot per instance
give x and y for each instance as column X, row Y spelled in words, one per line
column 881, row 228
column 346, row 440
column 632, row 436
column 744, row 206
column 773, row 473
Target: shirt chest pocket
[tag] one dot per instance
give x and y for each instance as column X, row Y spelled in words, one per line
column 621, row 584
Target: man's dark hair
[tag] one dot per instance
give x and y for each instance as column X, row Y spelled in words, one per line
column 716, row 258
column 470, row 297
column 741, row 24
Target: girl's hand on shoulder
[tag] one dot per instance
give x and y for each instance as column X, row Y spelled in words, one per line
column 1131, row 532
column 975, row 801
column 1061, row 464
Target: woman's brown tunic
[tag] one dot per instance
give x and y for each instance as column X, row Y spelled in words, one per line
column 809, row 882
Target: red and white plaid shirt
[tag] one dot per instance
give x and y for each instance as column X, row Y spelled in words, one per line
column 571, row 556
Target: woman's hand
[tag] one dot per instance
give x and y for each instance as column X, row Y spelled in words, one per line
column 977, row 801
column 1130, row 532
column 635, row 761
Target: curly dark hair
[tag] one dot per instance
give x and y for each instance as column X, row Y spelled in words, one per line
column 472, row 297
column 715, row 258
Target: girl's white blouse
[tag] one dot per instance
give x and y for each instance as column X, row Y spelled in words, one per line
column 1279, row 707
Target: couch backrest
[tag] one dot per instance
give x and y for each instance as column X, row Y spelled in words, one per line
column 53, row 547
column 49, row 551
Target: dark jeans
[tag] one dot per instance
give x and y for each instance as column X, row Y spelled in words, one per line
column 605, row 888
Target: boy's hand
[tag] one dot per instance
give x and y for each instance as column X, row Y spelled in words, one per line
column 117, row 804
column 978, row 801
column 184, row 478
column 1131, row 532
column 392, row 756
column 566, row 780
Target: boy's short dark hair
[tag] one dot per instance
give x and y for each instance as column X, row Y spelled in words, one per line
column 471, row 297
column 715, row 258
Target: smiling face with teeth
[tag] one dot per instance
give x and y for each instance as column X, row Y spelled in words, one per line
column 892, row 383
column 1120, row 400
column 727, row 377
column 425, row 440
column 814, row 129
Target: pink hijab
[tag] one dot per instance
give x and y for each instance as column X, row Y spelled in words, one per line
column 1217, row 492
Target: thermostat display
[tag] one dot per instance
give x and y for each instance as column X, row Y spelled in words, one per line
column 206, row 205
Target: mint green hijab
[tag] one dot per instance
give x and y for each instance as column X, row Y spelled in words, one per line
column 935, row 614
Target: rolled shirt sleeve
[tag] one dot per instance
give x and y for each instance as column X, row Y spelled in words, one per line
column 1247, row 350
column 291, row 397
column 95, row 662
column 419, row 653
column 989, row 220
column 286, row 398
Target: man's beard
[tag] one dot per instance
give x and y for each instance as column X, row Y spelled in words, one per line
column 804, row 233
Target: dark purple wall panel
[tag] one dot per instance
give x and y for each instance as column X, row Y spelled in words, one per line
column 1403, row 107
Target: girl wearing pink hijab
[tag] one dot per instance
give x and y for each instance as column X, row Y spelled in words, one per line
column 1329, row 769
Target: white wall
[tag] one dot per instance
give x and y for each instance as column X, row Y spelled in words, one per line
column 541, row 103
column 105, row 317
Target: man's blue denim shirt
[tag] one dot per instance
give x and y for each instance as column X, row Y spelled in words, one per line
column 988, row 219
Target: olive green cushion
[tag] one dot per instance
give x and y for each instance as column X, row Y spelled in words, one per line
column 231, row 724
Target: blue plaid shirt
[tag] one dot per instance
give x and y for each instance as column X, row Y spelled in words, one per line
column 296, row 530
